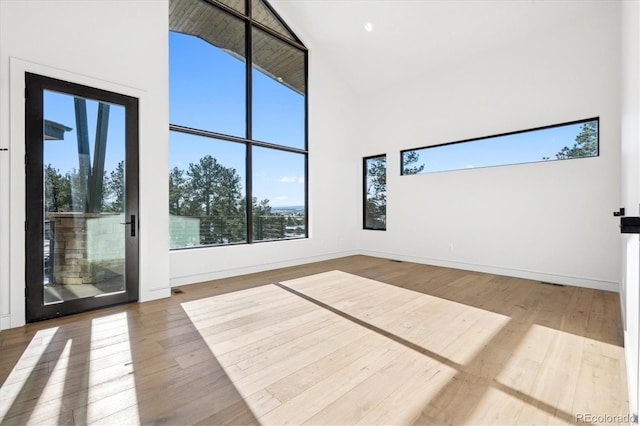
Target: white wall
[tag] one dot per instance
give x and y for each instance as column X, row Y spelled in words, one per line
column 630, row 168
column 122, row 46
column 550, row 221
column 118, row 46
column 332, row 197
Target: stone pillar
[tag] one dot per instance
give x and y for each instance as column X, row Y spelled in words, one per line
column 87, row 247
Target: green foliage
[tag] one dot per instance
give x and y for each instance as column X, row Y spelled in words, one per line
column 114, row 190
column 376, row 196
column 212, row 193
column 266, row 226
column 63, row 192
column 408, row 159
column 586, row 143
column 261, row 208
column 177, row 191
column 57, row 190
column 206, row 190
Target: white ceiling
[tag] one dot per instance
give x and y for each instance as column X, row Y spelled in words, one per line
column 412, row 36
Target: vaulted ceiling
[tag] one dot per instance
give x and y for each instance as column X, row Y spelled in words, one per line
column 410, row 37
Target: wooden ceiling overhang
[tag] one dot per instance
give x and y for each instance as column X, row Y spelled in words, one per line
column 279, row 59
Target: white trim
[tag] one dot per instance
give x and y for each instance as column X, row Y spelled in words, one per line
column 17, row 69
column 232, row 272
column 17, row 215
column 154, row 294
column 5, row 232
column 5, row 322
column 529, row 275
column 22, row 65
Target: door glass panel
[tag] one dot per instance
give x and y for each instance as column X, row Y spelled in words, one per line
column 84, row 198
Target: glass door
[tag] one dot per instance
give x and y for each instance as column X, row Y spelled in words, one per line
column 82, row 198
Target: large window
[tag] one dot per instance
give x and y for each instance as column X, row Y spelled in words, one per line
column 375, row 192
column 577, row 139
column 238, row 85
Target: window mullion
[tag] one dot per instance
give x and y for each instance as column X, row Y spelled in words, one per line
column 273, row 113
column 249, row 129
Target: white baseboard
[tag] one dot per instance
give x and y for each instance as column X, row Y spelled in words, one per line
column 159, row 293
column 5, row 321
column 232, row 272
column 529, row 275
column 155, row 293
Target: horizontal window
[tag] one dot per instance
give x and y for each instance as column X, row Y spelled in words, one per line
column 578, row 139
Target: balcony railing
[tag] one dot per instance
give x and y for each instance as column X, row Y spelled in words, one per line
column 189, row 231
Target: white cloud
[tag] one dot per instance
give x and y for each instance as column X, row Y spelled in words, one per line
column 291, row 179
column 282, row 198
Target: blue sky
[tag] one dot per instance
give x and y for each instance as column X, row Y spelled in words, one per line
column 63, row 154
column 207, row 91
column 516, row 148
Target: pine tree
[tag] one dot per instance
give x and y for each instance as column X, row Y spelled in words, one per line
column 586, row 143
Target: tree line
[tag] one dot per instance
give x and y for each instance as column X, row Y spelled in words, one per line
column 213, row 193
column 586, row 143
column 64, row 193
column 205, row 190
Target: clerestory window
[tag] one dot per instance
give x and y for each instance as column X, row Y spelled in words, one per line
column 576, row 139
column 238, row 114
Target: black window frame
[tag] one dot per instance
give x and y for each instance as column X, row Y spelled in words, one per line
column 248, row 141
column 36, row 308
column 365, row 192
column 534, row 129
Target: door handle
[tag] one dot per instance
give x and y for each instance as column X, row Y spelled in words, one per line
column 630, row 225
column 132, row 222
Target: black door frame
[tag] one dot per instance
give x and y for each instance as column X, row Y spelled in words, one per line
column 36, row 310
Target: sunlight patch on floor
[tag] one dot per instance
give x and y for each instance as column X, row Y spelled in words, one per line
column 85, row 380
column 50, row 400
column 24, row 369
column 338, row 340
column 101, row 398
column 568, row 377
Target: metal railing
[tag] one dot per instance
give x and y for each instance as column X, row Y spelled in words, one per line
column 190, row 231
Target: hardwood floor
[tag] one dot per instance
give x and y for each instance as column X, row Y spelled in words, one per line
column 356, row 340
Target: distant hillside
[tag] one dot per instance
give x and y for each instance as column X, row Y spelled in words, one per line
column 288, row 209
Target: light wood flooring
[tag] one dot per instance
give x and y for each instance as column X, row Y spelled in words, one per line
column 356, row 340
